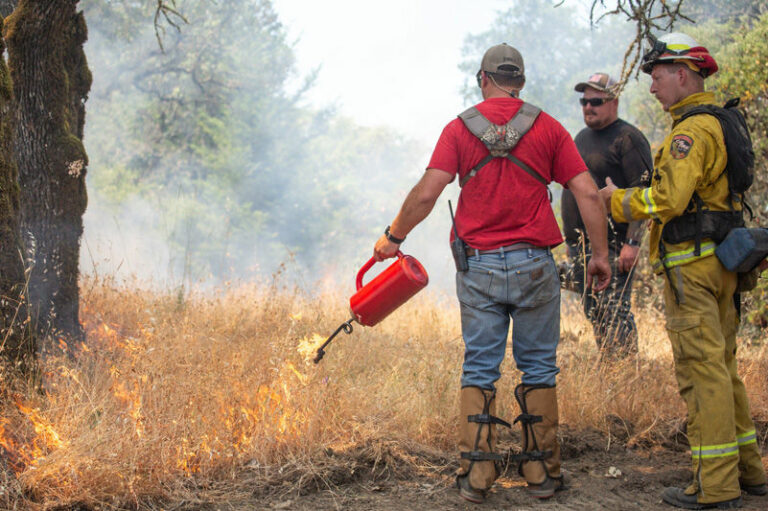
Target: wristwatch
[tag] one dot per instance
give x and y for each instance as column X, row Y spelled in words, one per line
column 632, row 243
column 392, row 238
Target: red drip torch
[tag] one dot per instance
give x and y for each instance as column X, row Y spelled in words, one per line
column 386, row 292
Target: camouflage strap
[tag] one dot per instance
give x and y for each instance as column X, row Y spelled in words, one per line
column 490, row 133
column 500, row 139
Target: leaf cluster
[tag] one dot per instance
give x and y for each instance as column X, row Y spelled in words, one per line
column 736, row 33
column 559, row 48
column 212, row 134
column 743, row 59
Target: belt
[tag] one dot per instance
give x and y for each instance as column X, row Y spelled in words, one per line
column 509, row 248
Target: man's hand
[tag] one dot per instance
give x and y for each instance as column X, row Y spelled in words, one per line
column 599, row 268
column 384, row 249
column 607, row 192
column 627, row 258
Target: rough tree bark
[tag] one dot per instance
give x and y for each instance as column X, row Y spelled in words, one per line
column 51, row 81
column 7, row 7
column 14, row 341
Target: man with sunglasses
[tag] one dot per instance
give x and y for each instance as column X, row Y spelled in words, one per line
column 611, row 148
column 692, row 204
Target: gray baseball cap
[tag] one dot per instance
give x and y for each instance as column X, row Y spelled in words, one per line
column 598, row 81
column 503, row 59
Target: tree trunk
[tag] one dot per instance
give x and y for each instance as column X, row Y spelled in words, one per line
column 51, row 81
column 14, row 339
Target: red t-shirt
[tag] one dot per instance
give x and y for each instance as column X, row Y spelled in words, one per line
column 502, row 204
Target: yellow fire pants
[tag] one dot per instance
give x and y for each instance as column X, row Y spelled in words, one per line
column 702, row 330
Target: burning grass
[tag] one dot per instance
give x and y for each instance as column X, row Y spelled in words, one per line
column 215, row 398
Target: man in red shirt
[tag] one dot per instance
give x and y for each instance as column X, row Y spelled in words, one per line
column 505, row 219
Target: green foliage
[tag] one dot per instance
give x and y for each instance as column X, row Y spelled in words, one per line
column 724, row 11
column 238, row 172
column 743, row 60
column 756, row 307
column 559, row 48
column 744, row 73
column 564, row 51
column 737, row 36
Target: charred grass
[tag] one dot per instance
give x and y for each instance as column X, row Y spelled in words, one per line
column 213, row 399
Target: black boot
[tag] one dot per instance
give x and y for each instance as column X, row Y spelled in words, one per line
column 678, row 498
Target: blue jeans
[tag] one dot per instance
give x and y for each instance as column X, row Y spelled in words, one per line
column 523, row 285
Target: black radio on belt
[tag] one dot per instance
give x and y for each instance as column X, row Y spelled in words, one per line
column 458, row 247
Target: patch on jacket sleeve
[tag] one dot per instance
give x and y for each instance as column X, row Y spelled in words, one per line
column 681, row 145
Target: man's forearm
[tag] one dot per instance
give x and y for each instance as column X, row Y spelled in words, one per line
column 636, row 230
column 416, row 207
column 592, row 209
column 594, row 216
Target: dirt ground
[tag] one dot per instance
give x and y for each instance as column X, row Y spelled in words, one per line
column 389, row 475
column 604, row 476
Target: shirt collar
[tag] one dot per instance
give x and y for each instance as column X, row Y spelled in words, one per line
column 699, row 98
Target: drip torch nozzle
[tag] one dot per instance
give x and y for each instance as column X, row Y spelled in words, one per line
column 346, row 326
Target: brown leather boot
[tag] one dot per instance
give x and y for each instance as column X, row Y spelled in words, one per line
column 477, row 440
column 540, row 465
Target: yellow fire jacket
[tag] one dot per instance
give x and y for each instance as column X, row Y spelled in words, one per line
column 691, row 158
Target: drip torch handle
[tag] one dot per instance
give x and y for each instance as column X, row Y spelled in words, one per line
column 367, row 266
column 346, row 326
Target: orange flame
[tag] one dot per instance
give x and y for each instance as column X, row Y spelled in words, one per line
column 307, row 347
column 233, row 427
column 133, row 399
column 29, row 452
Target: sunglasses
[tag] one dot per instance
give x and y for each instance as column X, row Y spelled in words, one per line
column 593, row 101
column 479, row 77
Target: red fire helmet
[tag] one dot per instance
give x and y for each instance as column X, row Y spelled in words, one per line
column 679, row 47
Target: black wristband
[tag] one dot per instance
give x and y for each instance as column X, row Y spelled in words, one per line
column 632, row 243
column 392, row 238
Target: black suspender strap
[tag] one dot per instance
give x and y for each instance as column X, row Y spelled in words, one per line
column 535, row 175
column 471, row 173
column 485, row 418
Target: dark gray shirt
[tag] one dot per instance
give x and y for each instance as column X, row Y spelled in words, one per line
column 619, row 151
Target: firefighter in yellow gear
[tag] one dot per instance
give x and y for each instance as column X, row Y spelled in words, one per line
column 701, row 316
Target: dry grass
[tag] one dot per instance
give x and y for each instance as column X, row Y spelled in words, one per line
column 216, row 397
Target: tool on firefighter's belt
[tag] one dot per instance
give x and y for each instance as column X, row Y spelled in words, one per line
column 386, row 292
column 743, row 249
column 458, row 247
